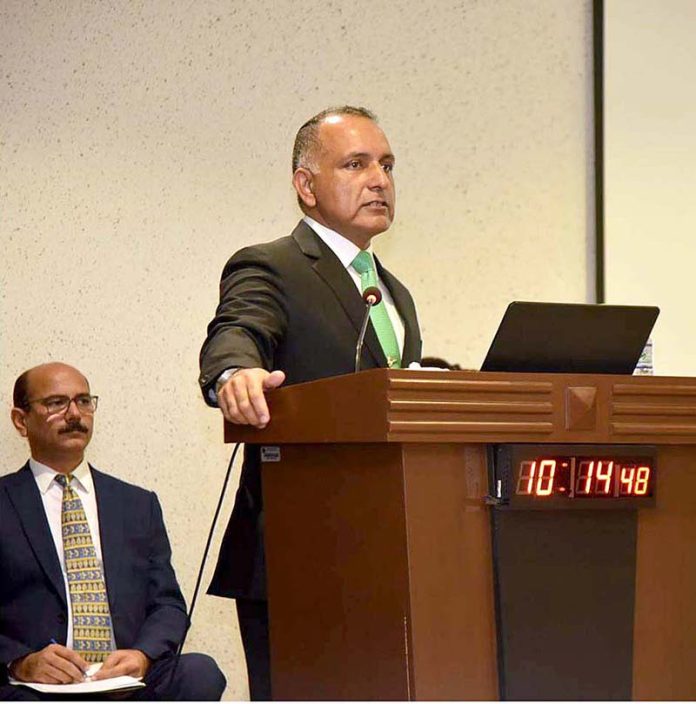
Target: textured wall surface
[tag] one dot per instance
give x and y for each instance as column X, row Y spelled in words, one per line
column 142, row 143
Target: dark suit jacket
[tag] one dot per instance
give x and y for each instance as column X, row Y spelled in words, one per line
column 147, row 609
column 290, row 305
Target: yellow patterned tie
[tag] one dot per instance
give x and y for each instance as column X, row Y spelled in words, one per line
column 90, row 605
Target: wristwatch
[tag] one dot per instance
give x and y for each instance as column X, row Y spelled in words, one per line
column 224, row 377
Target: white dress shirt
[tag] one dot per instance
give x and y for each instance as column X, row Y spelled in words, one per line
column 346, row 251
column 52, row 498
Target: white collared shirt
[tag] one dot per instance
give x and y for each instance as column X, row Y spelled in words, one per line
column 52, row 498
column 346, row 251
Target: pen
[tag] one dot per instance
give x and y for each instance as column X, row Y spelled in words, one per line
column 53, row 641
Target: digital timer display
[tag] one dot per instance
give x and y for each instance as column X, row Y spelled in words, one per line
column 574, row 476
column 587, row 477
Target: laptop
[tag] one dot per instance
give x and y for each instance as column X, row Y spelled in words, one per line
column 570, row 337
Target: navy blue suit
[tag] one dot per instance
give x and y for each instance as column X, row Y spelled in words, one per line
column 147, row 608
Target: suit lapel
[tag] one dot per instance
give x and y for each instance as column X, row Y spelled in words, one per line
column 26, row 498
column 111, row 517
column 335, row 276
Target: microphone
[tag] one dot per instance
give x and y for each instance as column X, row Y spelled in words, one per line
column 371, row 297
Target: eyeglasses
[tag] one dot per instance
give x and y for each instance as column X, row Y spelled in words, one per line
column 59, row 404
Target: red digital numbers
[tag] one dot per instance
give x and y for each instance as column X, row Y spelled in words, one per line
column 604, row 484
column 584, row 480
column 525, row 481
column 536, row 478
column 627, row 480
column 642, row 479
column 547, row 472
column 583, row 477
column 633, row 481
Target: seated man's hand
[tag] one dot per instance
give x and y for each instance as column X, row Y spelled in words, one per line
column 124, row 662
column 55, row 664
column 242, row 397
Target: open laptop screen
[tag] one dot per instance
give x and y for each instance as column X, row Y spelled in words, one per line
column 570, row 337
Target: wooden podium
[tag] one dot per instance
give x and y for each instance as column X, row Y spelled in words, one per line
column 380, row 559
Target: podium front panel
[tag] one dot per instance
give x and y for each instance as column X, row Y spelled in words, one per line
column 380, row 572
column 379, row 540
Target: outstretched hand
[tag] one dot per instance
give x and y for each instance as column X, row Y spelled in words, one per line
column 242, row 398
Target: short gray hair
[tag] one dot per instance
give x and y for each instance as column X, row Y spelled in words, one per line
column 307, row 141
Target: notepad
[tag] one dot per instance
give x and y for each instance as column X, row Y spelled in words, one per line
column 112, row 684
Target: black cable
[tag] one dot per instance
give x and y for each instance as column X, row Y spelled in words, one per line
column 205, row 557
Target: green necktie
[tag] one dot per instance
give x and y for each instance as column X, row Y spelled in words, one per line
column 90, row 606
column 364, row 265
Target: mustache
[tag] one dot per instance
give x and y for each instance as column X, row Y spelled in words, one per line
column 72, row 427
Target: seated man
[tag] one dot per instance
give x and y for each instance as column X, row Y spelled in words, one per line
column 85, row 561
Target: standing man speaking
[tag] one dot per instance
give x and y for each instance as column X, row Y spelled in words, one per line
column 290, row 311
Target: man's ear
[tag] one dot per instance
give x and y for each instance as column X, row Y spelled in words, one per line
column 302, row 180
column 19, row 420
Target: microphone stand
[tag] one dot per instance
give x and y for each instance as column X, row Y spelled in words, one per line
column 371, row 296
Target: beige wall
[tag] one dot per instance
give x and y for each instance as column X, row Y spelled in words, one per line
column 142, row 143
column 650, row 169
